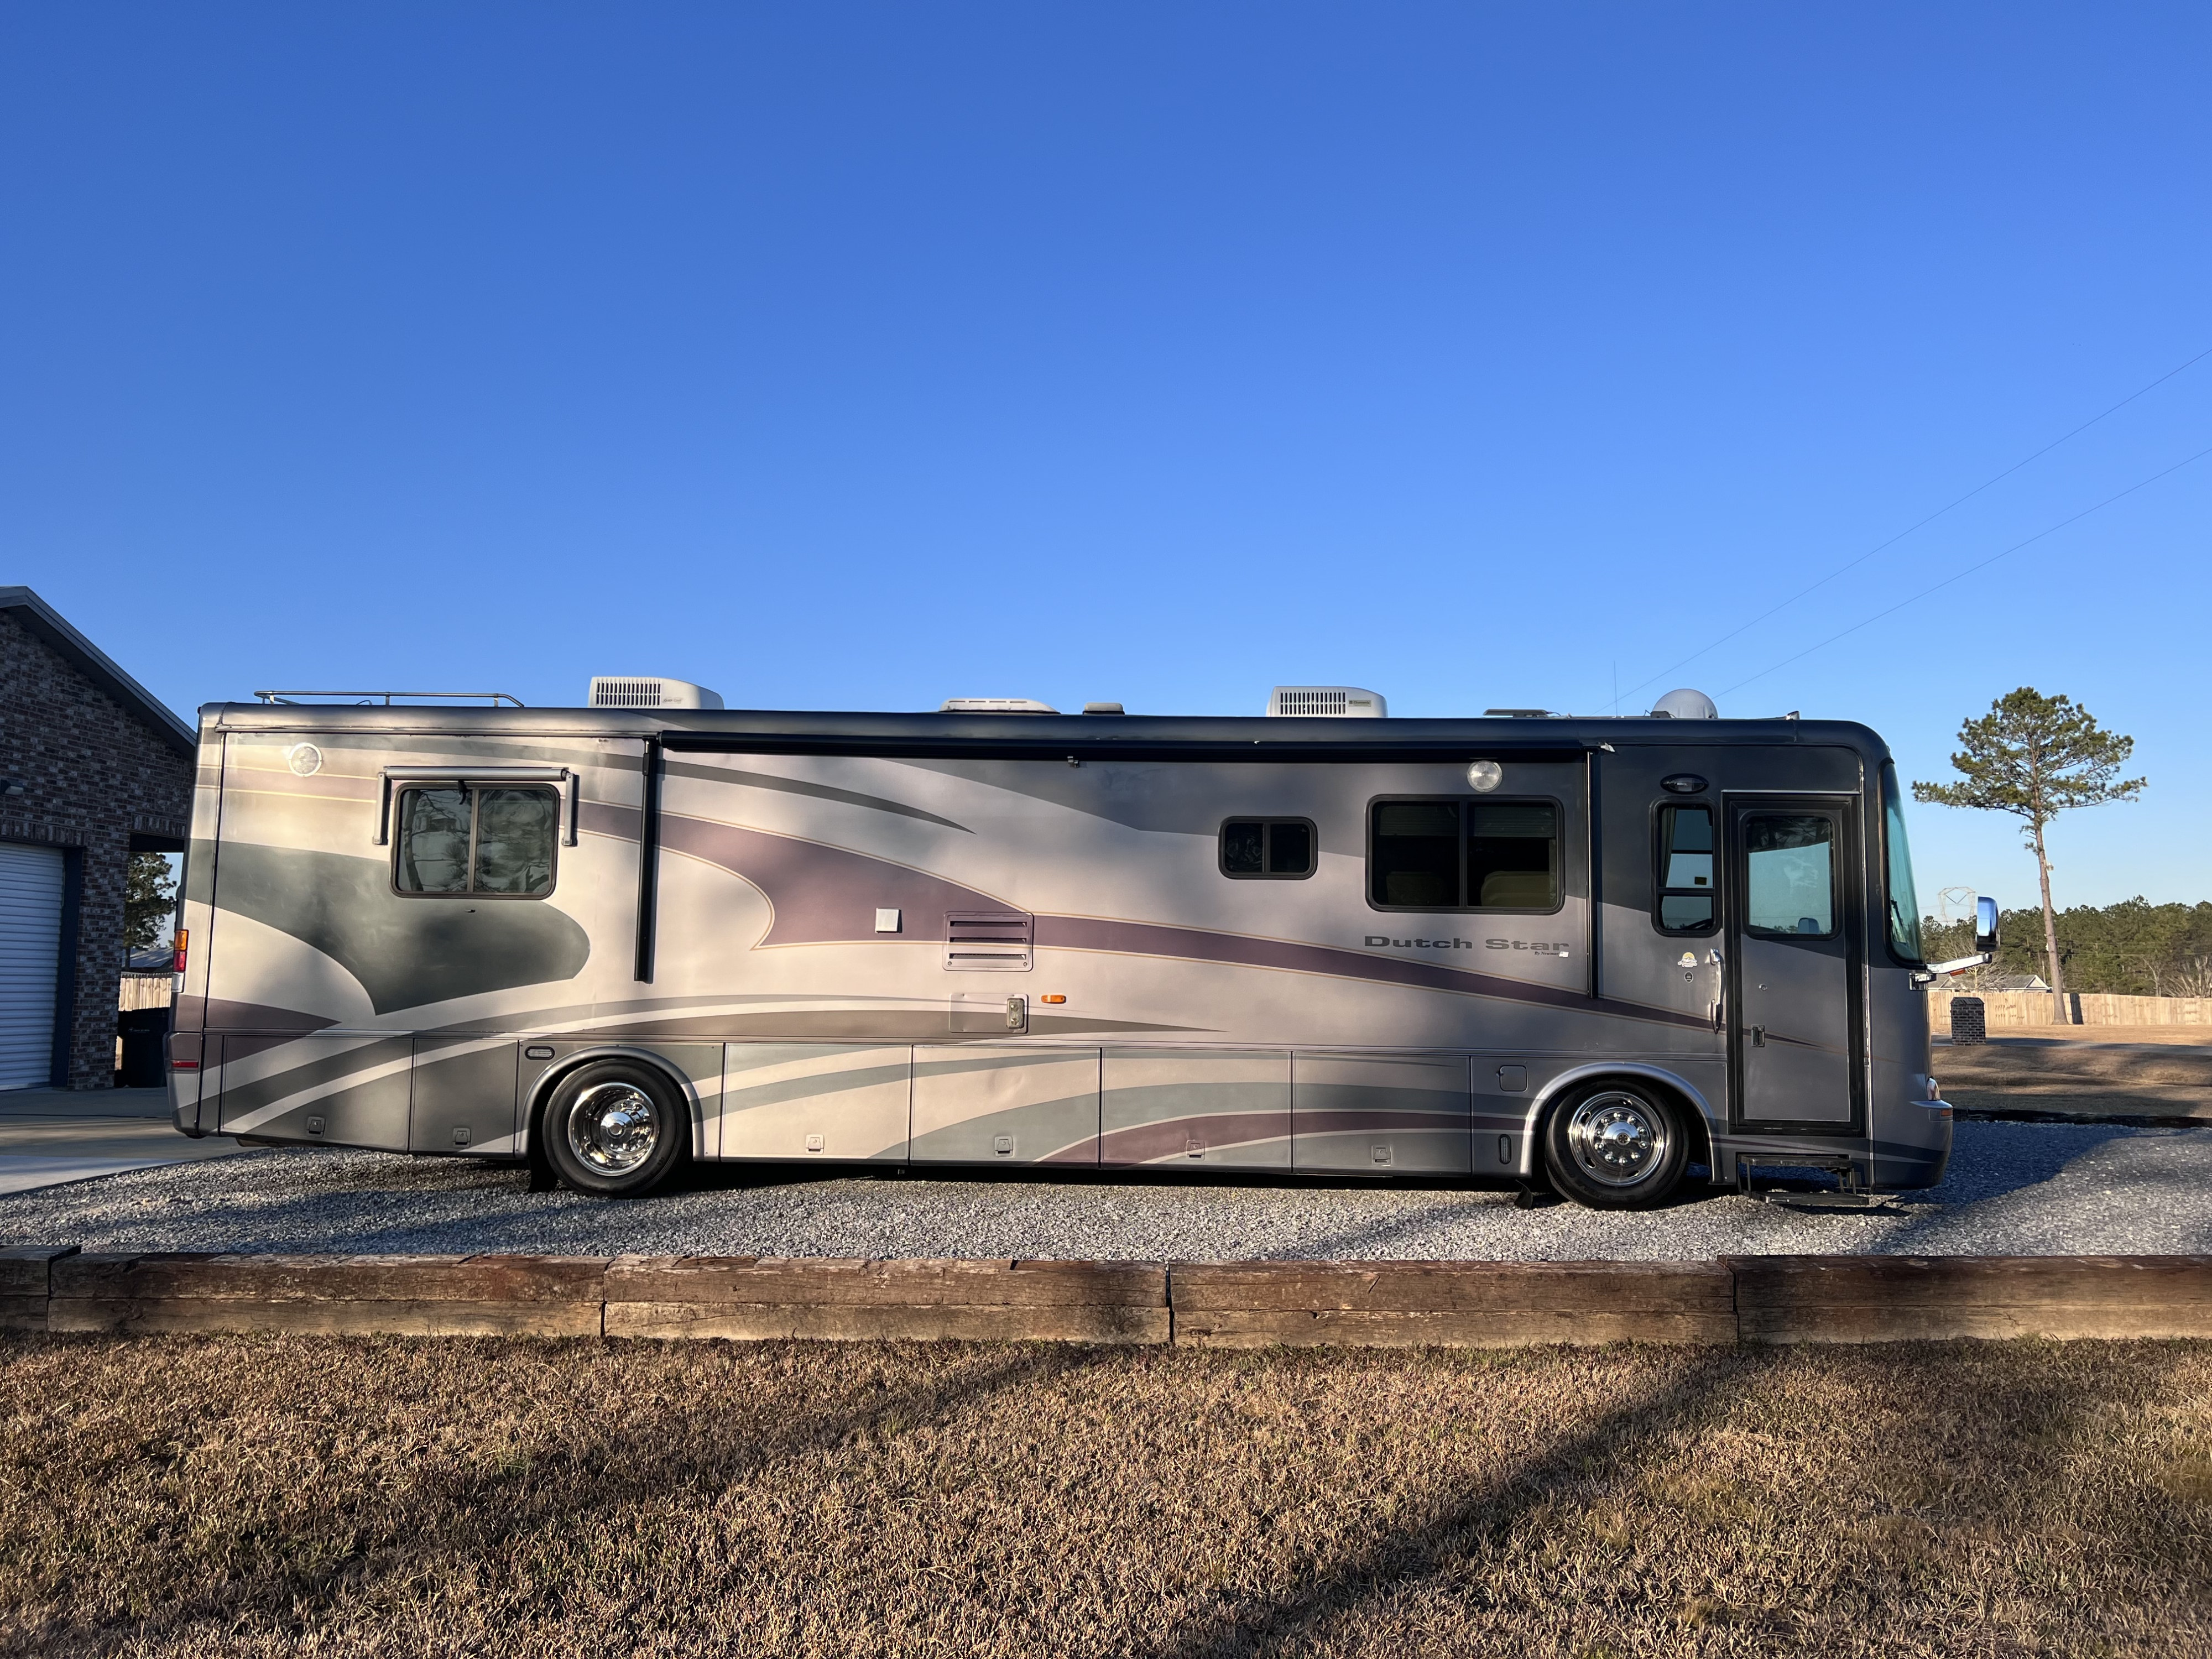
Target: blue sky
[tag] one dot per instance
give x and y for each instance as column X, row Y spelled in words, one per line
column 849, row 357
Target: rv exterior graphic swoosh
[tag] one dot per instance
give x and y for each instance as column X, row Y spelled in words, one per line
column 405, row 953
column 676, row 769
column 820, row 894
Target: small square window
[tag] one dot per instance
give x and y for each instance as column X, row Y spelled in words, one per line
column 1267, row 849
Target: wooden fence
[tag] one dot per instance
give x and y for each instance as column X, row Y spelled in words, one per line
column 2010, row 1009
column 144, row 991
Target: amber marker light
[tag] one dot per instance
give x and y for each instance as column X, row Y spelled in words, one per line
column 1055, row 997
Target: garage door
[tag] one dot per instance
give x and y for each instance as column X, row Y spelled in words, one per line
column 30, row 939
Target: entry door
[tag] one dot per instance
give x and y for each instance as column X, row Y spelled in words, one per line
column 1794, row 1044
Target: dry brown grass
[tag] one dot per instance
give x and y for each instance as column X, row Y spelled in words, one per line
column 242, row 1495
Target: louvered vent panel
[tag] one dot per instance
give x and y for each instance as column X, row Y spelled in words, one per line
column 988, row 941
column 626, row 693
column 1326, row 701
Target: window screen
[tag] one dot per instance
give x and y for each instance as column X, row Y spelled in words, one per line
column 1686, row 886
column 496, row 842
column 1464, row 855
column 1789, row 874
column 1263, row 849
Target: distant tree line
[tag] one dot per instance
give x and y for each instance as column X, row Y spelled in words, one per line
column 2134, row 948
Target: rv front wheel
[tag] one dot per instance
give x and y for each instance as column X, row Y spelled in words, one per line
column 1615, row 1146
column 615, row 1128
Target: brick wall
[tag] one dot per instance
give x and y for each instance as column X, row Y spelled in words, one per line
column 95, row 774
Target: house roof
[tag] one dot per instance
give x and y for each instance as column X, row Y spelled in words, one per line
column 96, row 665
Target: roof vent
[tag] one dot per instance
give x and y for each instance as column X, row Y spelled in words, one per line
column 1347, row 701
column 1684, row 705
column 995, row 705
column 637, row 691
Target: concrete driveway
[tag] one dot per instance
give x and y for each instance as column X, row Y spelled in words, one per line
column 50, row 1136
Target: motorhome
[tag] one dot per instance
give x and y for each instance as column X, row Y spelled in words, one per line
column 1600, row 956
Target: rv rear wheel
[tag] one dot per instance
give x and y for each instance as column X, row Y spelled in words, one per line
column 615, row 1128
column 1615, row 1146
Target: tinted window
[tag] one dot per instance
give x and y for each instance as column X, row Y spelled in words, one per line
column 1464, row 855
column 1279, row 847
column 1789, row 874
column 1510, row 863
column 1290, row 849
column 476, row 840
column 515, row 841
column 1686, row 885
column 1415, row 859
column 434, row 841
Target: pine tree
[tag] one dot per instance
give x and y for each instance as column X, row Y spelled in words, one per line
column 2036, row 756
column 149, row 898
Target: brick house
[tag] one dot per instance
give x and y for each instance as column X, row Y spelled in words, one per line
column 91, row 770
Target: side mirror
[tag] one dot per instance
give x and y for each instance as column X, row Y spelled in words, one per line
column 1985, row 926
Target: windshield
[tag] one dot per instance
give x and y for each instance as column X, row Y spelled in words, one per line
column 1897, row 856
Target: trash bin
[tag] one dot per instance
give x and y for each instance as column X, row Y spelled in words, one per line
column 1969, row 1021
column 143, row 1031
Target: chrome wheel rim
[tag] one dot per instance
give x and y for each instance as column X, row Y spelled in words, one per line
column 1617, row 1139
column 613, row 1127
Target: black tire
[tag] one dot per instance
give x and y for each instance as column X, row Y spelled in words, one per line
column 615, row 1128
column 1616, row 1145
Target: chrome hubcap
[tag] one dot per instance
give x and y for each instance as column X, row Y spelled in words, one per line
column 1617, row 1139
column 612, row 1128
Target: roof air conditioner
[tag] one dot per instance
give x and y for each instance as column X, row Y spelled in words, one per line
column 637, row 691
column 1348, row 702
column 995, row 706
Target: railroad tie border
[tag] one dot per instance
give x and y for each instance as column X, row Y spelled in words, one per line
column 1734, row 1299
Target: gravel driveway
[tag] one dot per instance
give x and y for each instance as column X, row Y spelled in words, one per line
column 2015, row 1188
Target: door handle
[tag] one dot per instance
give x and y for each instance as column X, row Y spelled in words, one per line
column 1758, row 1036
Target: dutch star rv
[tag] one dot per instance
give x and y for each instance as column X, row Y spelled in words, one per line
column 1594, row 954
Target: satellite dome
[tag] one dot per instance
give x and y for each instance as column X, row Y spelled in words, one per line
column 1684, row 704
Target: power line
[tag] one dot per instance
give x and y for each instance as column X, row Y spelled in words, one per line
column 1879, row 546
column 1984, row 564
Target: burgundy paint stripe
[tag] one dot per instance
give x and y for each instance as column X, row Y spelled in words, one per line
column 1140, row 1143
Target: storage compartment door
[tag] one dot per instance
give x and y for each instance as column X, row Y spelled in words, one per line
column 1000, row 1105
column 815, row 1100
column 1380, row 1116
column 1213, row 1109
column 340, row 1090
column 464, row 1099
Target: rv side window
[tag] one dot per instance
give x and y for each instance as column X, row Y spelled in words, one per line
column 489, row 843
column 1280, row 849
column 1686, row 869
column 1463, row 855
